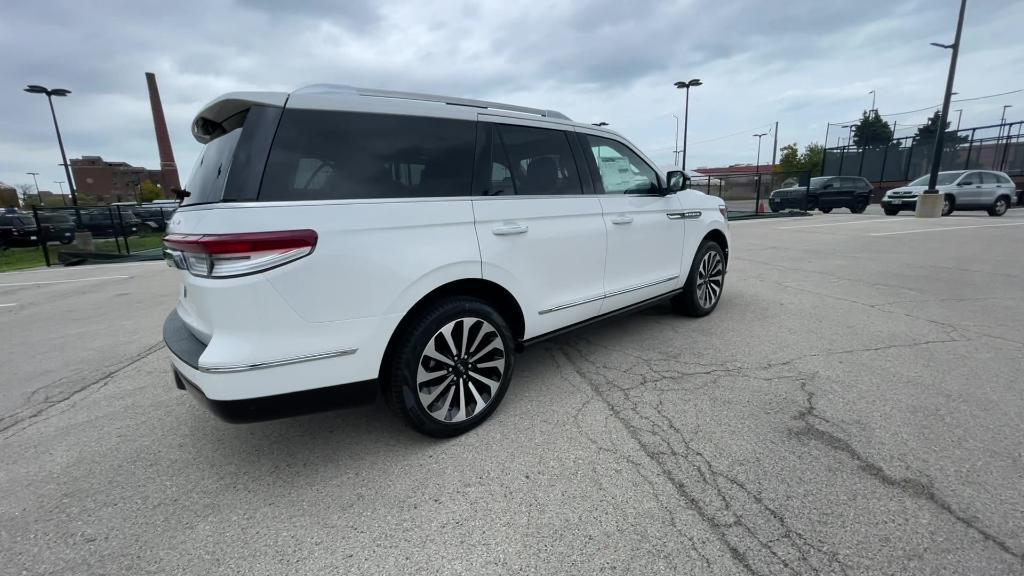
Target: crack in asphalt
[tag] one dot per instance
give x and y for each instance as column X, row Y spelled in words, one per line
column 736, row 514
column 40, row 411
column 756, row 535
column 910, row 486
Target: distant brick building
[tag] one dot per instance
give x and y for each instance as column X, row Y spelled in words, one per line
column 111, row 181
column 8, row 196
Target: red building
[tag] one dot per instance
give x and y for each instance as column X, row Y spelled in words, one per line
column 112, row 181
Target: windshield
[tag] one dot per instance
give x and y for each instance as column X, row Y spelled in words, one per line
column 945, row 178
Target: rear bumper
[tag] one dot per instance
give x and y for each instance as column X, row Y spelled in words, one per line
column 281, row 405
column 249, row 380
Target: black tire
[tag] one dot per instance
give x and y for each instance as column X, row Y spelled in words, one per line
column 948, row 204
column 1000, row 206
column 66, row 241
column 826, row 210
column 890, row 211
column 409, row 356
column 859, row 206
column 692, row 300
column 774, row 209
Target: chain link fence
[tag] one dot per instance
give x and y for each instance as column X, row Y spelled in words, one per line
column 747, row 194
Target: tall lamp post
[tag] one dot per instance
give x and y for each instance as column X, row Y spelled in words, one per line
column 34, row 174
column 686, row 112
column 757, row 166
column 1002, row 119
column 872, row 99
column 60, row 92
column 60, row 184
column 676, row 150
column 929, row 204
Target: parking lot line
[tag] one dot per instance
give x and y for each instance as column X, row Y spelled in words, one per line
column 6, row 305
column 947, row 228
column 842, row 223
column 62, row 281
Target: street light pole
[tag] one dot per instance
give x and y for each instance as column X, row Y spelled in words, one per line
column 929, row 204
column 676, row 150
column 60, row 92
column 686, row 112
column 34, row 174
column 959, row 116
column 60, row 184
column 1002, row 119
column 757, row 166
column 872, row 99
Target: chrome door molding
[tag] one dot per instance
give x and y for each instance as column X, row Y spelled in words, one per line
column 608, row 295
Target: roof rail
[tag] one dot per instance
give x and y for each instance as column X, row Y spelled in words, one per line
column 460, row 102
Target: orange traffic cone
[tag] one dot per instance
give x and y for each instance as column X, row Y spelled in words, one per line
column 760, row 208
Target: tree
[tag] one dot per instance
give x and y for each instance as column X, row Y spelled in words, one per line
column 927, row 131
column 27, row 193
column 792, row 160
column 148, row 191
column 85, row 199
column 871, row 130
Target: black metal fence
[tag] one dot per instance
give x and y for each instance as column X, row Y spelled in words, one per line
column 747, row 193
column 995, row 147
column 68, row 233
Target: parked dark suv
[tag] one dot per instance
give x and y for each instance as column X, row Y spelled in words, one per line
column 107, row 224
column 57, row 228
column 824, row 193
column 18, row 230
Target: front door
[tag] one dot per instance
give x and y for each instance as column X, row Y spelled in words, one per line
column 645, row 227
column 540, row 236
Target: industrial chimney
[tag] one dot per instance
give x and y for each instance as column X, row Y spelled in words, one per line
column 168, row 169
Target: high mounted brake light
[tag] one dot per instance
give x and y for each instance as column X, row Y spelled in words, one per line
column 231, row 255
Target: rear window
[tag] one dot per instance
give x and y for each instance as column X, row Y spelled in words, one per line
column 206, row 184
column 318, row 155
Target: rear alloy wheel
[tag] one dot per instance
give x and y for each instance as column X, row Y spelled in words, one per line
column 999, row 207
column 948, row 205
column 703, row 288
column 452, row 367
column 825, row 210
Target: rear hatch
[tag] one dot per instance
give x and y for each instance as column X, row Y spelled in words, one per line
column 213, row 249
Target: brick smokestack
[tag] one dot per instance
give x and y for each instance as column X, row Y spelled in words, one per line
column 168, row 169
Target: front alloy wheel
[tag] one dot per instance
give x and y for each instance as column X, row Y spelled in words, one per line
column 460, row 370
column 703, row 288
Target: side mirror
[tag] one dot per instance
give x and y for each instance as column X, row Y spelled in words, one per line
column 677, row 180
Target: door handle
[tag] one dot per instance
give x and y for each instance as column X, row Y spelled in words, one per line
column 622, row 219
column 509, row 229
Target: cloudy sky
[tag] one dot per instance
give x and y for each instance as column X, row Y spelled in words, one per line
column 802, row 63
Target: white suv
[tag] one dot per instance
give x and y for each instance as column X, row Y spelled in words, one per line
column 338, row 235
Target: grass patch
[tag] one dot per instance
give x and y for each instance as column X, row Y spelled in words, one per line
column 32, row 257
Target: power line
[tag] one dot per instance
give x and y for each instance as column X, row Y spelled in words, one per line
column 933, row 107
column 715, row 139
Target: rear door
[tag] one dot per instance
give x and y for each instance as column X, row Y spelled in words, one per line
column 645, row 227
column 540, row 235
column 830, row 193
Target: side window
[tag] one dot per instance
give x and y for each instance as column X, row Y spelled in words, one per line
column 973, row 177
column 1003, row 179
column 539, row 161
column 501, row 173
column 320, row 155
column 621, row 170
column 989, row 178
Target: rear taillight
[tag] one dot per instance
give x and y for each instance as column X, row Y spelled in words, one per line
column 230, row 255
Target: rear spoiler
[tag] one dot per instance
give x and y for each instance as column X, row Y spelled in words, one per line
column 213, row 120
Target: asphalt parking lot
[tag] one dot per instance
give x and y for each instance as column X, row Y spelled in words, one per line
column 854, row 406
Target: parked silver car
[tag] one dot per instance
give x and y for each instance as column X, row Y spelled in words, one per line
column 961, row 190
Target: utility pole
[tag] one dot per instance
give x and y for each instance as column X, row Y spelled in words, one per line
column 929, row 204
column 775, row 143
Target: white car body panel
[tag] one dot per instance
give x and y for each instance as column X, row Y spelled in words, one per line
column 327, row 318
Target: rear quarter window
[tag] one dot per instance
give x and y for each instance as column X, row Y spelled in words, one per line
column 320, row 155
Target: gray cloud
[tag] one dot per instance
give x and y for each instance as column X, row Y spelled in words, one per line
column 802, row 63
